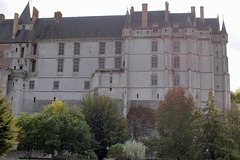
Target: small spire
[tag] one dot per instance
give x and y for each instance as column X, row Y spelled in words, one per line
column 224, row 31
column 166, row 23
column 25, row 16
column 189, row 23
column 127, row 13
column 128, row 21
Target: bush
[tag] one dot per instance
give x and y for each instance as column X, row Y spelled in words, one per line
column 116, row 152
column 134, row 150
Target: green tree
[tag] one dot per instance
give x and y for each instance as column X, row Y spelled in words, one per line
column 8, row 128
column 28, row 132
column 175, row 115
column 105, row 121
column 57, row 128
column 211, row 140
column 235, row 96
column 233, row 123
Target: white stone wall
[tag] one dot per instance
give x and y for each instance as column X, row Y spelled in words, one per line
column 203, row 64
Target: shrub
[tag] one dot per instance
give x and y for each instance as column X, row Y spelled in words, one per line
column 134, row 150
column 116, row 152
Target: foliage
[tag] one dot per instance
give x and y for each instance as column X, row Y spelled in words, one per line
column 134, row 150
column 235, row 96
column 141, row 121
column 211, row 139
column 58, row 128
column 103, row 117
column 175, row 115
column 28, row 132
column 8, row 128
column 116, row 152
column 153, row 147
column 233, row 123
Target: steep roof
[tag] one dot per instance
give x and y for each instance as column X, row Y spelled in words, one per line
column 99, row 26
column 223, row 31
column 79, row 27
column 214, row 23
column 6, row 27
column 25, row 16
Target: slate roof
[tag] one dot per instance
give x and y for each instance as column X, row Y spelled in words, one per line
column 99, row 26
column 159, row 17
column 79, row 27
column 25, row 16
column 6, row 27
column 214, row 23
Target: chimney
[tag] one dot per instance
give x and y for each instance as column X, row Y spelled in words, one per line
column 166, row 10
column 2, row 17
column 58, row 15
column 15, row 25
column 132, row 9
column 144, row 15
column 193, row 11
column 202, row 13
column 35, row 15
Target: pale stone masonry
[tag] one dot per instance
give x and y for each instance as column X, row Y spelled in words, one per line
column 134, row 58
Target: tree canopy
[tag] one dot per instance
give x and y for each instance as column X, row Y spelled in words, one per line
column 175, row 115
column 235, row 96
column 58, row 128
column 105, row 121
column 211, row 140
column 8, row 128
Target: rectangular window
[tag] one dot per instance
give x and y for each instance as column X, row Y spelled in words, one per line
column 76, row 48
column 60, row 65
column 155, row 29
column 1, row 54
column 176, row 47
column 118, row 62
column 154, row 80
column 31, row 84
column 102, row 48
column 154, row 46
column 75, row 65
column 118, row 47
column 34, row 49
column 33, row 69
column 22, row 52
column 176, row 62
column 176, row 81
column 175, row 29
column 154, row 62
column 61, row 49
column 87, row 85
column 56, row 85
column 101, row 62
column 111, row 78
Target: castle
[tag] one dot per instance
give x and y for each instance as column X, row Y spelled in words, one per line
column 134, row 58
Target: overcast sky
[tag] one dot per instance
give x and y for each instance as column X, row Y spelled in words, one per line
column 227, row 10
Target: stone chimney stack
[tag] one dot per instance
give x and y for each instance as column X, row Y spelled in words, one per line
column 193, row 11
column 132, row 9
column 166, row 10
column 58, row 16
column 35, row 15
column 2, row 17
column 144, row 15
column 202, row 13
column 15, row 25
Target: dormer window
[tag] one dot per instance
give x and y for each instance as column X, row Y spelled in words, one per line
column 155, row 28
column 175, row 29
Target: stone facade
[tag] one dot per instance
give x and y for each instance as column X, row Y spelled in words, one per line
column 134, row 58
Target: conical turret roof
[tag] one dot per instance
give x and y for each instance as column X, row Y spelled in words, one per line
column 25, row 16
